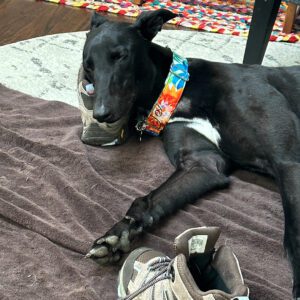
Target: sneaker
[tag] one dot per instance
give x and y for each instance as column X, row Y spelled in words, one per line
column 95, row 133
column 197, row 272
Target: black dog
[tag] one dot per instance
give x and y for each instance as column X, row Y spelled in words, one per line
column 230, row 115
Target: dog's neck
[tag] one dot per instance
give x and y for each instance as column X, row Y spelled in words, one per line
column 200, row 94
column 161, row 59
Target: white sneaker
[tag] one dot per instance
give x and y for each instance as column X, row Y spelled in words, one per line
column 197, row 272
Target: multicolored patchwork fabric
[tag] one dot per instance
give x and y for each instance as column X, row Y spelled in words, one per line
column 225, row 17
column 169, row 97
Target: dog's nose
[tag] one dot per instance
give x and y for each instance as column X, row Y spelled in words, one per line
column 102, row 114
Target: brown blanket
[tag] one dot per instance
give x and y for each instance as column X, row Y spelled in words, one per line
column 57, row 195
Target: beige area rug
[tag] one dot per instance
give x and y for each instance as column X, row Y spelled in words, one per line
column 46, row 67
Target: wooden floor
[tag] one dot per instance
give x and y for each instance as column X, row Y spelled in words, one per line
column 25, row 19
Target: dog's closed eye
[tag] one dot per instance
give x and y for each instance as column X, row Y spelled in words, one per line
column 89, row 67
column 118, row 55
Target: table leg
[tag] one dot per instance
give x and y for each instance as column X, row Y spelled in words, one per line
column 263, row 19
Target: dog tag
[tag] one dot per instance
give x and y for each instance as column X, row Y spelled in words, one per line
column 140, row 126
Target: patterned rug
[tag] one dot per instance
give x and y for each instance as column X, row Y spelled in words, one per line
column 226, row 17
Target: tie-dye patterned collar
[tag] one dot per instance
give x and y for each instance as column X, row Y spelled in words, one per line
column 167, row 102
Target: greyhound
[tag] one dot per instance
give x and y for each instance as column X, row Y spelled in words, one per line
column 229, row 116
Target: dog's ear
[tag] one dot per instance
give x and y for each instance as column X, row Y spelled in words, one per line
column 150, row 23
column 97, row 20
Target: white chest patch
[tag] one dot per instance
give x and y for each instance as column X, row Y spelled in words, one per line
column 203, row 126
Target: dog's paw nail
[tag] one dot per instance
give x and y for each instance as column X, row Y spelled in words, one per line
column 112, row 240
column 88, row 255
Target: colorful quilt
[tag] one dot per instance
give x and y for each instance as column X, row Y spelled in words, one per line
column 225, row 17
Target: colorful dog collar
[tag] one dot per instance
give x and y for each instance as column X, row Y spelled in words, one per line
column 167, row 102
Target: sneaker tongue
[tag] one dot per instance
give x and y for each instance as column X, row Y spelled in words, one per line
column 195, row 241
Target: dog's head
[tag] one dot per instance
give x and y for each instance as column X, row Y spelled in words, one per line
column 116, row 60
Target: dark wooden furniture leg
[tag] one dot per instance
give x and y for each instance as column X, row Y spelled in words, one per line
column 289, row 18
column 137, row 2
column 263, row 18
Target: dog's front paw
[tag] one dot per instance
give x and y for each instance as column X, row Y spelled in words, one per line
column 116, row 242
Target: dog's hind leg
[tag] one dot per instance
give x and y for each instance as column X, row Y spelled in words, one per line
column 288, row 176
column 200, row 168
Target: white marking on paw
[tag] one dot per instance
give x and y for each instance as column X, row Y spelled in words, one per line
column 90, row 253
column 112, row 240
column 203, row 126
column 102, row 251
column 124, row 241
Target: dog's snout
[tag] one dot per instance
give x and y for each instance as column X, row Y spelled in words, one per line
column 102, row 114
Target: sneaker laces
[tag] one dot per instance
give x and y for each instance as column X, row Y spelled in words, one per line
column 163, row 266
